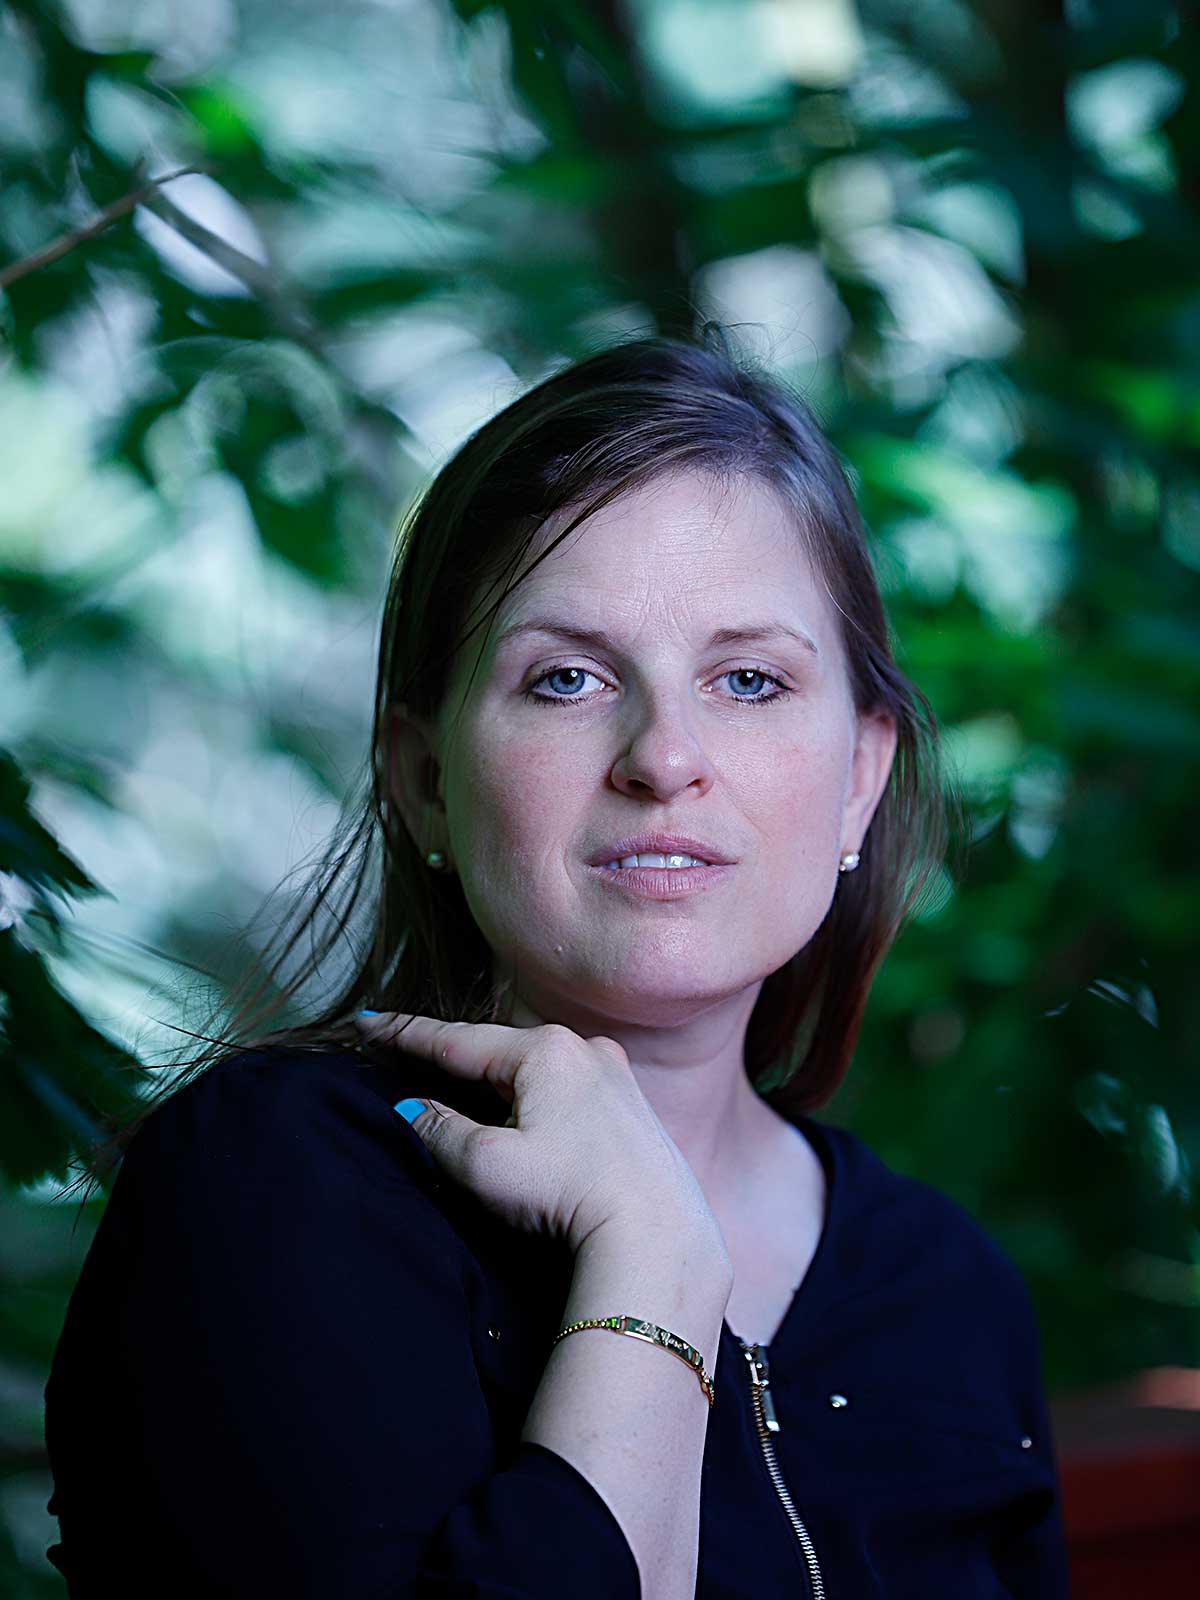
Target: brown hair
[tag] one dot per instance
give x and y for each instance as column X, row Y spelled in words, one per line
column 573, row 443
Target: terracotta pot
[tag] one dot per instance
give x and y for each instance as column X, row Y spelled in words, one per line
column 1129, row 1461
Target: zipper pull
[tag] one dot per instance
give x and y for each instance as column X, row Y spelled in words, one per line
column 760, row 1377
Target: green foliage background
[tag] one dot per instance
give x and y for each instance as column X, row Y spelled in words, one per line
column 966, row 229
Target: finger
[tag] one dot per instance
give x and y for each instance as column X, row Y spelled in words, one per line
column 487, row 1051
column 453, row 1139
column 421, row 1114
column 381, row 1027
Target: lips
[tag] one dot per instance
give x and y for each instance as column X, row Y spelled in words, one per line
column 664, row 843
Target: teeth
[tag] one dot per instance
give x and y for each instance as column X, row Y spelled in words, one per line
column 655, row 859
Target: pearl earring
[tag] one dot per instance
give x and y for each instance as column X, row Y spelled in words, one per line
column 436, row 860
column 849, row 861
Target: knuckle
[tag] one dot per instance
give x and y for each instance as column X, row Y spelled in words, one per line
column 433, row 1120
column 430, row 1119
column 546, row 1045
column 444, row 1040
column 475, row 1147
column 556, row 1033
column 609, row 1047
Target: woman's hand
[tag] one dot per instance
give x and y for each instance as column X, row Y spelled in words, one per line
column 582, row 1147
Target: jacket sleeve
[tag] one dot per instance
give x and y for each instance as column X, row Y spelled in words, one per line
column 296, row 1319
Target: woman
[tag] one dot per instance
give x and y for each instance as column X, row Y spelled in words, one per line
column 653, row 799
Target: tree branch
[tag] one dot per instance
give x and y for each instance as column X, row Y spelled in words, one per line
column 103, row 219
column 289, row 315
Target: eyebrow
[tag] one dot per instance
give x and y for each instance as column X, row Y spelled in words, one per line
column 748, row 634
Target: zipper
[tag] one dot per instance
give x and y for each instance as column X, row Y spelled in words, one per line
column 768, row 1423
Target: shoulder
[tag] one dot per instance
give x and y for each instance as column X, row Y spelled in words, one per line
column 283, row 1114
column 273, row 1172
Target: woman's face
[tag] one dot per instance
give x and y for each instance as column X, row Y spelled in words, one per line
column 562, row 748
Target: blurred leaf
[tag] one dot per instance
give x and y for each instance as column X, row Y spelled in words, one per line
column 49, row 1112
column 224, row 118
column 26, row 848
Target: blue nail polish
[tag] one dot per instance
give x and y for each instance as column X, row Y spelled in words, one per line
column 365, row 1012
column 409, row 1109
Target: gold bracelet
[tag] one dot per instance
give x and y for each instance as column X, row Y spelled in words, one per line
column 636, row 1328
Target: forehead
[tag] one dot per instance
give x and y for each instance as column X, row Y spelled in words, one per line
column 683, row 544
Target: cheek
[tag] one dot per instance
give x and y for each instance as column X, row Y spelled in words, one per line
column 815, row 783
column 516, row 806
column 518, row 797
column 802, row 790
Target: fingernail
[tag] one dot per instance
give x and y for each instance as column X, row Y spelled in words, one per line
column 409, row 1109
column 366, row 1013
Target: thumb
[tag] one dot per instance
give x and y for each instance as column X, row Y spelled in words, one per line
column 464, row 1150
column 440, row 1129
column 413, row 1108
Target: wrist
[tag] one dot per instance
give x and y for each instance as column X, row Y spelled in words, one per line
column 668, row 1248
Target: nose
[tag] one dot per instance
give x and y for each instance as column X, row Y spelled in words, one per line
column 664, row 757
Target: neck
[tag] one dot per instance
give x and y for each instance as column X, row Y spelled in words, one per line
column 693, row 1075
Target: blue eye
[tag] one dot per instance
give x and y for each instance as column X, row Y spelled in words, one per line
column 557, row 672
column 567, row 668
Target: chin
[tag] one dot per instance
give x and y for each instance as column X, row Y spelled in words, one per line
column 662, row 1004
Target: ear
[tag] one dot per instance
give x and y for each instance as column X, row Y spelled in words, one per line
column 415, row 778
column 870, row 768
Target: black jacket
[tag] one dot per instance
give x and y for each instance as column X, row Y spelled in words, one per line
column 298, row 1359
